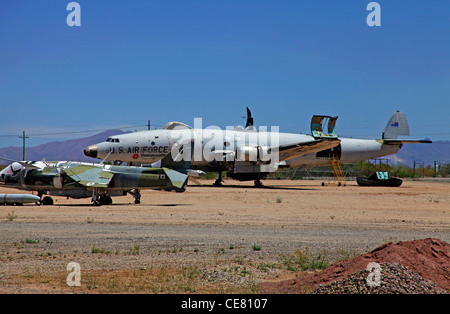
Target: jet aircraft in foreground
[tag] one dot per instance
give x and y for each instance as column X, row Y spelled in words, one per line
column 245, row 154
column 82, row 180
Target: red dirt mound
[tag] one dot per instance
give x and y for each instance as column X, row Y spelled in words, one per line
column 430, row 258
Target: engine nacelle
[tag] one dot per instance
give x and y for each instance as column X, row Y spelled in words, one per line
column 265, row 154
column 253, row 153
column 247, row 153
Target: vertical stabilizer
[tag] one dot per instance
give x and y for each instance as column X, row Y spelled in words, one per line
column 397, row 125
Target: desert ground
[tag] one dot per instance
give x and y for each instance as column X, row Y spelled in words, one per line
column 210, row 239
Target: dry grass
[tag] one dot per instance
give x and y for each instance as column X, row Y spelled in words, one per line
column 161, row 280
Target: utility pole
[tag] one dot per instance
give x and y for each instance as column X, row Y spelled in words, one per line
column 23, row 152
column 149, row 125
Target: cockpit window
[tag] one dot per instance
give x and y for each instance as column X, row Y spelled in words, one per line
column 112, row 140
column 15, row 168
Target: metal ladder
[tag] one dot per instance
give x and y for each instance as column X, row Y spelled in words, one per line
column 338, row 174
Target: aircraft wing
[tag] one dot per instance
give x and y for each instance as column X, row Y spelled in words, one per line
column 322, row 129
column 399, row 142
column 300, row 149
column 89, row 176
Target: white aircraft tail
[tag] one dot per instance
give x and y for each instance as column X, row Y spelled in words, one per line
column 397, row 125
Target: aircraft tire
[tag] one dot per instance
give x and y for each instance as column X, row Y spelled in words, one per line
column 105, row 200
column 47, row 200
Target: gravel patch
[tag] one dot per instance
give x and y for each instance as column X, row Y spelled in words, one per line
column 394, row 279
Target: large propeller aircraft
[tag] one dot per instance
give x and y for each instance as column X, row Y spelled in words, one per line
column 245, row 154
column 249, row 154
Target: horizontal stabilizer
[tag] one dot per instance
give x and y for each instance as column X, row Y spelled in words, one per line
column 399, row 142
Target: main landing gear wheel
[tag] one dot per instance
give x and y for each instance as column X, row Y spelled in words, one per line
column 47, row 201
column 105, row 200
column 219, row 180
column 258, row 183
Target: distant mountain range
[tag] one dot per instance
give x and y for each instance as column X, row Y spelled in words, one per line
column 438, row 151
column 72, row 150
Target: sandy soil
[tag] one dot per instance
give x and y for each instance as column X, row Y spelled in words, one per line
column 210, row 239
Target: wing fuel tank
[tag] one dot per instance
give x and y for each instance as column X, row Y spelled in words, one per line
column 10, row 199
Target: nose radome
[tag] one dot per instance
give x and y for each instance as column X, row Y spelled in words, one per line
column 91, row 151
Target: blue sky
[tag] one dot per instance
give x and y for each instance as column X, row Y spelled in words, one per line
column 134, row 61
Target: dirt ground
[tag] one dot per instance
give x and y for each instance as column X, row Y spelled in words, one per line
column 210, row 239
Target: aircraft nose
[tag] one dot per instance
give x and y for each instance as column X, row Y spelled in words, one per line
column 91, row 151
column 2, row 175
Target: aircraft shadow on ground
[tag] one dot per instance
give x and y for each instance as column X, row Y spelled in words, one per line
column 264, row 187
column 116, row 204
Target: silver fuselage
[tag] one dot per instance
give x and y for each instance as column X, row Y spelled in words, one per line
column 349, row 151
column 150, row 146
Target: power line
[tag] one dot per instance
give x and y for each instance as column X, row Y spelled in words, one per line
column 78, row 132
column 85, row 131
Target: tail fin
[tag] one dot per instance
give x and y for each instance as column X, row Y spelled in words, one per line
column 177, row 179
column 179, row 157
column 397, row 125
